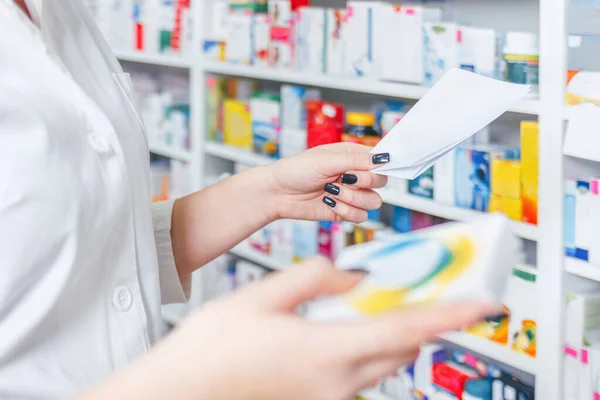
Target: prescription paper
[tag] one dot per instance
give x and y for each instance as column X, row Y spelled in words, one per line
column 458, row 106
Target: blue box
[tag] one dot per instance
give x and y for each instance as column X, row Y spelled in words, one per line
column 422, row 185
column 401, row 220
column 473, row 172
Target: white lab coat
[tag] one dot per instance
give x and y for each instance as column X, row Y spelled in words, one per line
column 81, row 279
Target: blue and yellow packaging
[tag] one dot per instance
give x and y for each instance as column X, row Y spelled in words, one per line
column 448, row 263
column 266, row 128
column 473, row 171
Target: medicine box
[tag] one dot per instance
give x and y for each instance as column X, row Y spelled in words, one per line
column 478, row 50
column 237, row 124
column 512, row 208
column 584, row 52
column 443, row 184
column 423, row 185
column 594, row 253
column 265, row 109
column 335, row 41
column 473, row 175
column 530, row 170
column 216, row 88
column 360, row 55
column 506, row 178
column 247, row 272
column 310, row 40
column 280, row 13
column 441, row 50
column 261, row 33
column 282, row 241
column 293, row 109
column 238, row 49
column 521, row 301
column 401, row 40
column 583, row 17
column 281, row 43
column 248, row 6
column 213, row 50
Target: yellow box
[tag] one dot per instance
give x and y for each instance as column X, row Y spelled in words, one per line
column 512, row 208
column 530, row 150
column 506, row 178
column 530, row 206
column 237, row 124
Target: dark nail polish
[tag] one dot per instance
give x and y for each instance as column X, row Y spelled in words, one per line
column 381, row 158
column 358, row 271
column 349, row 179
column 332, row 189
column 330, row 202
column 496, row 318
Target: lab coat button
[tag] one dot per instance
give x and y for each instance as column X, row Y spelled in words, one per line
column 99, row 144
column 122, row 298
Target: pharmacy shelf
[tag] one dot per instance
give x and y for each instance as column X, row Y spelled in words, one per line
column 242, row 156
column 157, row 59
column 170, row 152
column 370, row 86
column 244, row 251
column 502, row 354
column 582, row 269
column 427, row 206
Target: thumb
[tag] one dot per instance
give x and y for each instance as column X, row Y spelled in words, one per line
column 314, row 278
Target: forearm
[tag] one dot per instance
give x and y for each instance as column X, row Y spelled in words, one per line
column 209, row 223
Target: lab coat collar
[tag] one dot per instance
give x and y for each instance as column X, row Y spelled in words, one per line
column 35, row 10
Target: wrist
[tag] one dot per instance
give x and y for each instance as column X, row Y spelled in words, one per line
column 266, row 191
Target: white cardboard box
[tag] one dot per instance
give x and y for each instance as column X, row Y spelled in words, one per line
column 310, row 40
column 400, row 35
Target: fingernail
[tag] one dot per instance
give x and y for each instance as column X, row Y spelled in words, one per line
column 329, row 201
column 358, row 271
column 332, row 189
column 496, row 317
column 381, row 158
column 349, row 179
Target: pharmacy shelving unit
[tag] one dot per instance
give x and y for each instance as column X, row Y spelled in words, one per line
column 551, row 113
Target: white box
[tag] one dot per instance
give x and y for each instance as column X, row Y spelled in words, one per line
column 280, row 13
column 247, row 272
column 293, row 109
column 443, row 179
column 335, row 41
column 583, row 223
column 401, row 40
column 582, row 322
column 261, row 33
column 441, row 50
column 310, row 40
column 282, row 242
column 488, row 248
column 594, row 255
column 238, row 49
column 360, row 53
column 478, row 50
column 216, row 24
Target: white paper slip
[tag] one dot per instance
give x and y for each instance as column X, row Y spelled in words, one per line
column 582, row 139
column 458, row 106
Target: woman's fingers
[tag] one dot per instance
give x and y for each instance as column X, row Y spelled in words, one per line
column 345, row 211
column 400, row 334
column 362, row 199
column 363, row 180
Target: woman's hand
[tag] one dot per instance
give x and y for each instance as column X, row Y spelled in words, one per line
column 251, row 345
column 330, row 182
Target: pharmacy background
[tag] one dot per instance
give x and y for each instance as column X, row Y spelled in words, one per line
column 233, row 84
